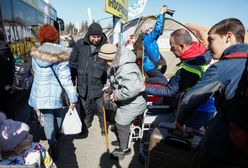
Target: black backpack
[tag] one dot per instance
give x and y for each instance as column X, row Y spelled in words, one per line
column 238, row 124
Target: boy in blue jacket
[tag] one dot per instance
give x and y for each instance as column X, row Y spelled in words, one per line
column 225, row 80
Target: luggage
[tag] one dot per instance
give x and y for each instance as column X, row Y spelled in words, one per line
column 168, row 149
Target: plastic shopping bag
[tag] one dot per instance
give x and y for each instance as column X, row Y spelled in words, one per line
column 71, row 123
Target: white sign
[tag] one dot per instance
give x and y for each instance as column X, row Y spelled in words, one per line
column 137, row 8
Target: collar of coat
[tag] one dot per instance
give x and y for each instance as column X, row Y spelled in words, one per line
column 51, row 52
column 196, row 49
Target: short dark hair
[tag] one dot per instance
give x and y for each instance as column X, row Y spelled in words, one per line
column 182, row 36
column 230, row 25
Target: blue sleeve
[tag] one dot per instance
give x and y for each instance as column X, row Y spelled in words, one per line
column 154, row 35
column 65, row 79
column 171, row 89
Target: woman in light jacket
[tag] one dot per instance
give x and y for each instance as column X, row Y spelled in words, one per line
column 126, row 80
column 46, row 91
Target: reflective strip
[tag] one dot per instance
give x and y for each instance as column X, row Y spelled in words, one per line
column 192, row 69
column 198, row 70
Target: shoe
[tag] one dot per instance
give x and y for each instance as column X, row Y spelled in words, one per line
column 120, row 153
column 115, row 143
column 82, row 135
column 113, row 128
column 53, row 152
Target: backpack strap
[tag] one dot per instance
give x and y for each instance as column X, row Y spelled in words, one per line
column 236, row 55
column 153, row 60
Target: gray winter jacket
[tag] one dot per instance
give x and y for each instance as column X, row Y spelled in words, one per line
column 126, row 79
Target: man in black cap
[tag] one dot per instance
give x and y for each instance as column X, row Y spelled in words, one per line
column 90, row 73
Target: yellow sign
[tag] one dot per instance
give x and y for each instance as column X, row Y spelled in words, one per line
column 117, row 8
column 21, row 48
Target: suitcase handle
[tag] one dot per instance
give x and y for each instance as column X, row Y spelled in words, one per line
column 178, row 143
column 178, row 133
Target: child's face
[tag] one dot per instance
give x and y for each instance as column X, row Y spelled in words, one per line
column 217, row 44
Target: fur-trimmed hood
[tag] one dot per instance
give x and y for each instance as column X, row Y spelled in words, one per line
column 50, row 53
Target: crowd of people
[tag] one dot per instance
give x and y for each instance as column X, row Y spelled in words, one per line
column 205, row 99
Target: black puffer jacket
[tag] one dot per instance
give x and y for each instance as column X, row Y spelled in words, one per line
column 82, row 61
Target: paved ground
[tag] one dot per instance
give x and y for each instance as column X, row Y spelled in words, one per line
column 76, row 153
column 91, row 152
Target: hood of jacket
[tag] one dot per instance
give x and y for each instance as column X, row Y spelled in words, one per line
column 50, row 53
column 203, row 59
column 235, row 48
column 195, row 50
column 123, row 56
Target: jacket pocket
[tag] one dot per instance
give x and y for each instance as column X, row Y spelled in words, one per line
column 98, row 71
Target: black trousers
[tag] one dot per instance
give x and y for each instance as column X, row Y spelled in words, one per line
column 90, row 107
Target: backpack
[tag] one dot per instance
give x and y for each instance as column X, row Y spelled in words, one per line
column 238, row 124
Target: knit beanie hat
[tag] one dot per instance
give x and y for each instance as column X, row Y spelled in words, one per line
column 11, row 133
column 108, row 52
column 95, row 29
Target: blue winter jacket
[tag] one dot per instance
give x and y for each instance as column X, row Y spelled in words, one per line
column 225, row 80
column 150, row 44
column 46, row 91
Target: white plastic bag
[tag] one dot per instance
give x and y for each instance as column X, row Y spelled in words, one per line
column 71, row 123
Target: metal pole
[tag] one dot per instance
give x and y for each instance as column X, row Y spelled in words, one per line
column 117, row 29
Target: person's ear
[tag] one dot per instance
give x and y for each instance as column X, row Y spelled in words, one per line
column 182, row 47
column 229, row 37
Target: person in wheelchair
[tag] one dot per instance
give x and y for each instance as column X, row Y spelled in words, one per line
column 126, row 81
